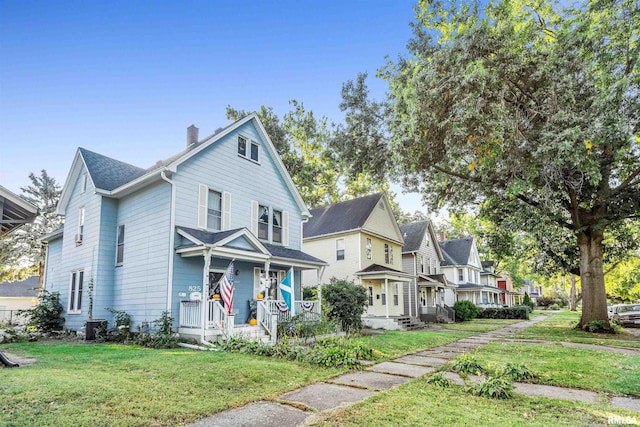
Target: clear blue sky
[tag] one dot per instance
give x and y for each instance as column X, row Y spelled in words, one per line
column 126, row 78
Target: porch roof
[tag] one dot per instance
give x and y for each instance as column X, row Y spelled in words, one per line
column 475, row 287
column 280, row 254
column 14, row 211
column 377, row 271
column 438, row 280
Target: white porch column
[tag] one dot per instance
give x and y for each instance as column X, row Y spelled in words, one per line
column 409, row 298
column 267, row 281
column 204, row 300
column 386, row 297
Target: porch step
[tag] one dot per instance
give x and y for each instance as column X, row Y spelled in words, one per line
column 249, row 332
column 409, row 323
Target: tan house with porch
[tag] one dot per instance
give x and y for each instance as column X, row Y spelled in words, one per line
column 361, row 241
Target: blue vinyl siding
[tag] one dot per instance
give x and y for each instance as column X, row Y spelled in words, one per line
column 221, row 169
column 140, row 286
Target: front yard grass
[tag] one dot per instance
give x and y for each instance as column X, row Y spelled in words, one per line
column 76, row 384
column 418, row 403
column 480, row 325
column 561, row 327
column 595, row 370
column 392, row 344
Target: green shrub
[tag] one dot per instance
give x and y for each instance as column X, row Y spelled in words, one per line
column 526, row 307
column 120, row 331
column 465, row 310
column 334, row 357
column 494, row 388
column 47, row 315
column 545, row 301
column 554, row 307
column 439, row 380
column 162, row 338
column 504, row 313
column 527, row 301
column 467, row 364
column 345, row 303
column 599, row 327
column 516, row 372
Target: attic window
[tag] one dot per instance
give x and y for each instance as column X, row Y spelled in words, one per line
column 83, row 186
column 253, row 149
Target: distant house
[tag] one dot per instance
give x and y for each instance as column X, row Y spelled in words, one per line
column 462, row 266
column 429, row 295
column 361, row 241
column 14, row 296
column 534, row 291
column 149, row 240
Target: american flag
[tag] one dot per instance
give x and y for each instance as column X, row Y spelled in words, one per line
column 226, row 288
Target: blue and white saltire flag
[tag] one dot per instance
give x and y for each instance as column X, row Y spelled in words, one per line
column 286, row 289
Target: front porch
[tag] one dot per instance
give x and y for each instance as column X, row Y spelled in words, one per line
column 218, row 324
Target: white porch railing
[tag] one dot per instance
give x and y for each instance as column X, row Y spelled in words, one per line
column 269, row 314
column 190, row 314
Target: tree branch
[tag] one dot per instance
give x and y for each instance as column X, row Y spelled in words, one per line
column 538, row 206
column 627, row 182
column 456, row 174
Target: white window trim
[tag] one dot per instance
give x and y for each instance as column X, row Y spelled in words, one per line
column 203, row 208
column 81, row 221
column 255, row 222
column 75, row 310
column 120, row 262
column 83, row 183
column 249, row 144
column 344, row 251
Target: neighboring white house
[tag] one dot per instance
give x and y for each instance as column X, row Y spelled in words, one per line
column 462, row 266
column 19, row 295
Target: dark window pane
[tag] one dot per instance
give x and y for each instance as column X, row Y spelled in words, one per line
column 242, row 146
column 254, row 152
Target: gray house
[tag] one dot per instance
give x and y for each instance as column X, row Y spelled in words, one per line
column 429, row 295
column 149, row 240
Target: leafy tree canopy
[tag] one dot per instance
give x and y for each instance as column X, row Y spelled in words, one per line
column 526, row 108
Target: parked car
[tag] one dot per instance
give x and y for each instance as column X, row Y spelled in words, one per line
column 627, row 314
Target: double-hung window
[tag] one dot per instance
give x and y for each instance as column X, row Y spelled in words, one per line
column 339, row 249
column 75, row 292
column 460, row 275
column 263, row 222
column 120, row 245
column 248, row 149
column 369, row 248
column 395, row 294
column 388, row 254
column 80, row 235
column 214, row 210
column 277, row 226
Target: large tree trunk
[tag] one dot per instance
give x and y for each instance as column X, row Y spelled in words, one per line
column 573, row 295
column 594, row 295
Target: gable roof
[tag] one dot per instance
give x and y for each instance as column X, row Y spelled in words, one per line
column 413, row 234
column 114, row 178
column 107, row 173
column 456, row 252
column 25, row 288
column 342, row 216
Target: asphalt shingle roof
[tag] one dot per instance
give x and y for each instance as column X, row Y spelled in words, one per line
column 107, row 173
column 413, row 234
column 343, row 216
column 377, row 268
column 24, row 288
column 456, row 252
column 211, row 238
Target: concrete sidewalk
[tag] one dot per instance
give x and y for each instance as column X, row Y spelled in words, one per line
column 301, row 406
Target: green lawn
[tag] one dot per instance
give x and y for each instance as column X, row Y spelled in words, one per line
column 560, row 327
column 480, row 325
column 108, row 385
column 418, row 403
column 600, row 371
column 392, row 344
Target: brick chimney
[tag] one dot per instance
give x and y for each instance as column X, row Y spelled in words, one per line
column 192, row 135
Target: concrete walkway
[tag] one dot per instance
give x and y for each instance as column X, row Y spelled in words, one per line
column 300, row 407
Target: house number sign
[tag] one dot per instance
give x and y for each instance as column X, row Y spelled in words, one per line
column 195, row 288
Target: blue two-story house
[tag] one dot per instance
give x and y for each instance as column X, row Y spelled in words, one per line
column 146, row 241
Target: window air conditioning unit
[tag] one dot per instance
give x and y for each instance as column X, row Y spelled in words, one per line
column 78, row 238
